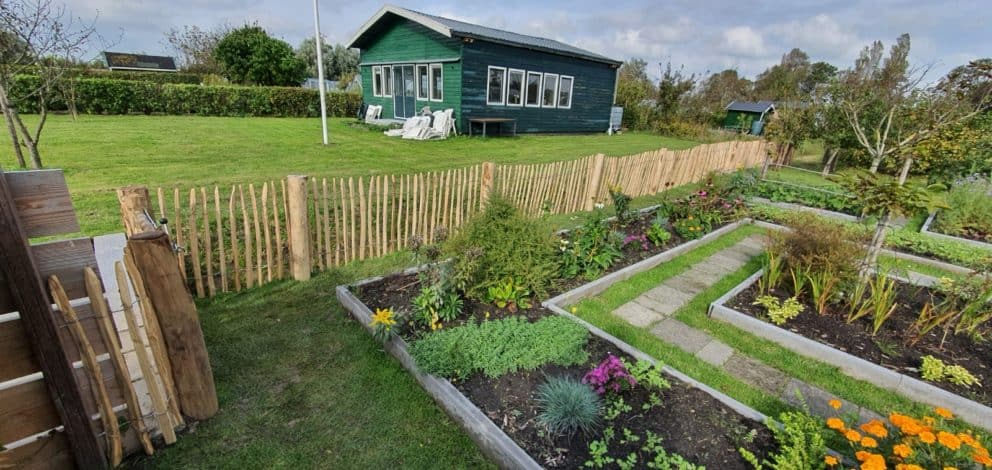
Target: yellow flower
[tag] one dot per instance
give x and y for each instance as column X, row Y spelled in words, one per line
column 927, row 437
column 869, row 442
column 943, row 412
column 902, row 450
column 852, row 435
column 835, row 423
column 574, row 309
column 983, row 459
column 950, row 468
column 875, row 428
column 874, row 462
column 862, row 455
column 384, row 317
column 835, row 404
column 830, row 460
column 949, row 440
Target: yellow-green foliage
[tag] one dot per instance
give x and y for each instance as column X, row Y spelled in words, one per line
column 935, row 370
column 780, row 312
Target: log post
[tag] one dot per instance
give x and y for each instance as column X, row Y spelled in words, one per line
column 595, row 177
column 298, row 224
column 135, row 209
column 179, row 322
column 30, row 298
column 486, row 183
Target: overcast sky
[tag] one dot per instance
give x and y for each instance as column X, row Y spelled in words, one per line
column 702, row 35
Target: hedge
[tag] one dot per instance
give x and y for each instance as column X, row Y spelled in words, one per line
column 107, row 96
column 157, row 77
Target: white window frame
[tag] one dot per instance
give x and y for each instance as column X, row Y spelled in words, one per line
column 502, row 93
column 523, row 85
column 419, row 84
column 571, row 90
column 387, row 83
column 376, row 90
column 554, row 94
column 540, row 89
column 430, row 80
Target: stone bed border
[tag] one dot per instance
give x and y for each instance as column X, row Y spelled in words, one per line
column 492, row 441
column 853, row 366
column 925, row 229
column 799, row 207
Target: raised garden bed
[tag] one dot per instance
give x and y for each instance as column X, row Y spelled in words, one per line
column 886, row 360
column 693, row 420
column 976, row 240
column 800, row 207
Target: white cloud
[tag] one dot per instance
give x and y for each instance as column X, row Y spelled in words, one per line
column 745, row 41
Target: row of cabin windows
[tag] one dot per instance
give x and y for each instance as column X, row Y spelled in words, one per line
column 514, row 87
column 430, row 81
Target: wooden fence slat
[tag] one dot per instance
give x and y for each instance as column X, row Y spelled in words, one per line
column 163, row 211
column 337, row 225
column 317, row 242
column 249, row 268
column 194, row 244
column 328, row 255
column 235, row 244
column 211, row 284
column 363, row 217
column 178, row 232
column 280, row 271
column 258, row 234
column 268, row 232
column 222, row 253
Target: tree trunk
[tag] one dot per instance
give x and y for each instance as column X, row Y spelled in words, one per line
column 768, row 162
column 875, row 163
column 30, row 142
column 875, row 247
column 15, row 140
column 828, row 166
column 906, row 165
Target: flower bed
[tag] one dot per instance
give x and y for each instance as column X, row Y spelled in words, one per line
column 969, row 213
column 887, row 358
column 933, row 229
column 711, row 437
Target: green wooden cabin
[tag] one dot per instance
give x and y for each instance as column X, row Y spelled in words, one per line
column 410, row 60
column 749, row 116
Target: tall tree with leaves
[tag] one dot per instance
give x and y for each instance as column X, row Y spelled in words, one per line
column 249, row 56
column 195, row 47
column 672, row 89
column 40, row 37
column 338, row 60
column 633, row 87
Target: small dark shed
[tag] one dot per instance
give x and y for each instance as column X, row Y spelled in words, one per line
column 410, row 60
column 743, row 114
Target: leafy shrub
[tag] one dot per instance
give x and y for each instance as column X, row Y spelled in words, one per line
column 656, row 233
column 509, row 296
column 501, row 346
column 155, row 77
column 832, row 200
column 800, row 444
column 568, row 406
column 611, row 375
column 112, row 96
column 780, row 312
column 621, row 204
column 435, row 304
column 904, row 441
column 590, row 249
column 969, row 212
column 816, row 244
column 691, row 227
column 935, row 370
column 502, row 243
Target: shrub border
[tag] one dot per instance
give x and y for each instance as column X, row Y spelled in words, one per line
column 853, row 366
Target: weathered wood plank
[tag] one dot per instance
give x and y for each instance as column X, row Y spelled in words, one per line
column 18, row 360
column 66, row 259
column 43, row 202
column 48, row 452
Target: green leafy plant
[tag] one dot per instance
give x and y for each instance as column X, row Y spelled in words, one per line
column 599, row 450
column 659, row 458
column 621, row 204
column 969, row 211
column 935, row 370
column 433, row 305
column 800, row 444
column 691, row 227
column 964, row 309
column 615, row 406
column 509, row 295
column 568, row 406
column 882, row 299
column 771, row 278
column 649, row 376
column 383, row 324
column 780, row 312
column 590, row 249
column 502, row 243
column 657, row 233
column 822, row 286
column 501, row 346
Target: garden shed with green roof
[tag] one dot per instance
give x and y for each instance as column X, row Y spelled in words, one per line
column 410, row 60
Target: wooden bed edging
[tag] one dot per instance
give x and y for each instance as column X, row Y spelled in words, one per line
column 853, row 366
column 493, row 442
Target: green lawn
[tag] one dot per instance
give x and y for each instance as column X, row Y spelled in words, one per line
column 102, row 153
column 302, row 385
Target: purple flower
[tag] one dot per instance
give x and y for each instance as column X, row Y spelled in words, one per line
column 610, row 375
column 703, row 193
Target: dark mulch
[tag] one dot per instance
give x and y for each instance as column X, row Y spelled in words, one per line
column 891, row 347
column 690, row 422
column 968, row 234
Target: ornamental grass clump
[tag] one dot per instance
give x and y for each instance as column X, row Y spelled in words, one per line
column 909, row 443
column 568, row 406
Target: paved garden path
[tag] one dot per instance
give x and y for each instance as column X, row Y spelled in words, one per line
column 655, row 309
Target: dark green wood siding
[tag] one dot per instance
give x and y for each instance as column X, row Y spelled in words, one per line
column 592, row 91
column 733, row 119
column 404, row 42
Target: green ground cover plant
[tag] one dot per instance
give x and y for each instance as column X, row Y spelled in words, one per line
column 969, row 211
column 501, row 346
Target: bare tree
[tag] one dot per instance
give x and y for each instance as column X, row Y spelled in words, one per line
column 40, row 38
column 195, row 47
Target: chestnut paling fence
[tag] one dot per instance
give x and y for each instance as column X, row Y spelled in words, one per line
column 239, row 237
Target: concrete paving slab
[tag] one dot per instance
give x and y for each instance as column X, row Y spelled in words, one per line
column 715, row 353
column 686, row 285
column 668, row 294
column 756, row 373
column 659, row 307
column 637, row 314
column 679, row 334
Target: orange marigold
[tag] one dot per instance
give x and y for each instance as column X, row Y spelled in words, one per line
column 875, row 428
column 943, row 412
column 983, row 459
column 902, row 450
column 870, row 443
column 835, row 423
column 927, row 437
column 835, row 404
column 874, row 462
column 908, row 466
column 949, row 440
column 862, row 455
column 830, row 460
column 852, row 435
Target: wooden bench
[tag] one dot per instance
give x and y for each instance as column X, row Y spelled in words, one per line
column 486, row 121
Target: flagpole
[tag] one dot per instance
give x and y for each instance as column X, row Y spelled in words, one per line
column 319, row 44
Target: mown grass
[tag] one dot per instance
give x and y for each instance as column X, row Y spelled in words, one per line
column 302, row 385
column 597, row 310
column 102, row 153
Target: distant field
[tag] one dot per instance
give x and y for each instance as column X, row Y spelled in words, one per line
column 102, row 153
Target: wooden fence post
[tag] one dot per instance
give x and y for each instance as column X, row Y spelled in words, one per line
column 35, row 309
column 179, row 322
column 135, row 209
column 595, row 177
column 486, row 184
column 298, row 225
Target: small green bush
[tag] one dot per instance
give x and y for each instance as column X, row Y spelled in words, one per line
column 800, row 444
column 590, row 249
column 501, row 346
column 111, row 96
column 502, row 243
column 970, row 211
column 568, row 406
